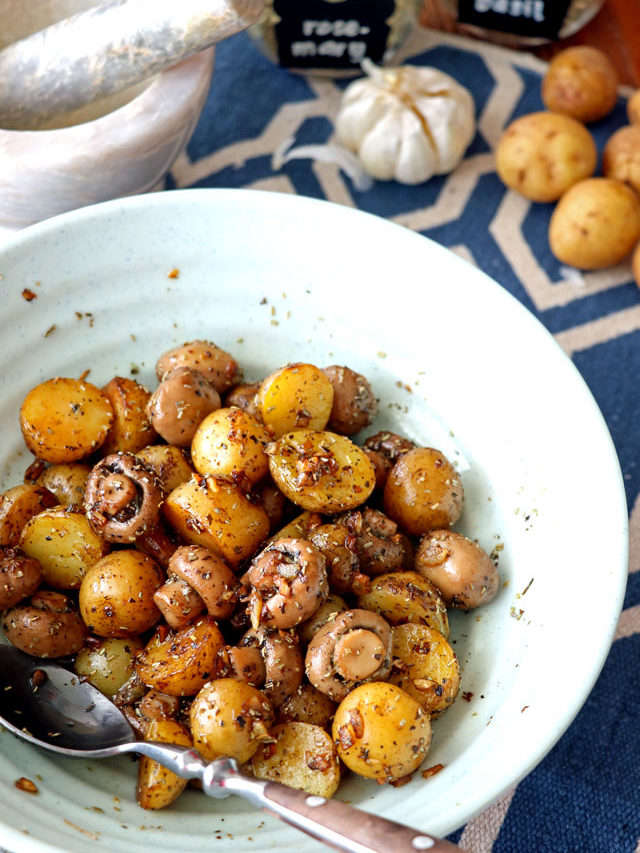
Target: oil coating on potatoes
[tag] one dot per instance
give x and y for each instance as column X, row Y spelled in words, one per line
column 158, row 787
column 298, row 396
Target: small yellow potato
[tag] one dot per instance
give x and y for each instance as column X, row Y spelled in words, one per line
column 596, row 224
column 230, row 718
column 109, row 664
column 298, row 396
column 65, row 545
column 66, row 481
column 406, row 597
column 299, row 527
column 425, row 666
column 381, row 732
column 158, row 787
column 229, row 442
column 303, row 756
column 116, row 594
column 180, row 663
column 423, row 491
column 321, row 471
column 17, row 506
column 63, row 420
column 633, row 108
column 217, row 514
column 542, row 154
column 621, row 156
column 168, row 463
column 580, row 82
column 307, row 705
column 131, row 429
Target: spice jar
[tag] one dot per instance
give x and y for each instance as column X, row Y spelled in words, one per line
column 522, row 22
column 333, row 36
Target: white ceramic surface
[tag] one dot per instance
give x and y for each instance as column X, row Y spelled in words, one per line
column 275, row 278
column 119, row 146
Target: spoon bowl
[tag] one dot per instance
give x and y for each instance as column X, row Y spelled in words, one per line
column 45, row 704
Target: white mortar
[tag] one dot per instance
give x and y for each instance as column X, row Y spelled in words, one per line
column 119, row 146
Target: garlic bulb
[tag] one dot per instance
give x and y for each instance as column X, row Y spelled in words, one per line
column 406, row 124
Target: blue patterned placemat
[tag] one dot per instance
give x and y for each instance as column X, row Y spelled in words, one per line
column 585, row 795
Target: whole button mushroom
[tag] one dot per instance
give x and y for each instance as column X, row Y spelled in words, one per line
column 122, row 498
column 288, row 582
column 464, row 573
column 214, row 363
column 198, row 580
column 337, row 544
column 354, row 403
column 48, row 626
column 352, row 648
column 282, row 659
column 390, row 445
column 378, row 544
column 180, row 403
column 20, row 576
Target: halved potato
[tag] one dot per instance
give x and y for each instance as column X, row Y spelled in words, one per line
column 157, row 786
column 303, row 756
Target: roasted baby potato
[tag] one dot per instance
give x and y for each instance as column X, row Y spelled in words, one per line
column 131, row 429
column 17, row 506
column 231, row 718
column 321, row 471
column 64, row 543
column 108, row 664
column 116, row 594
column 180, row 663
column 217, row 514
column 66, row 481
column 297, row 396
column 542, row 154
column 168, row 463
column 425, row 666
column 63, row 420
column 406, row 597
column 381, row 732
column 157, row 786
column 303, row 756
column 229, row 442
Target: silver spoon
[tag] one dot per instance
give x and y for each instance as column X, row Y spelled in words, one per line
column 45, row 704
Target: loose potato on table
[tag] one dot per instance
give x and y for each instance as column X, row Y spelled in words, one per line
column 542, row 154
column 297, row 396
column 157, row 786
column 64, row 543
column 321, row 471
column 580, row 82
column 303, row 756
column 381, row 732
column 63, row 420
column 17, row 506
column 621, row 156
column 596, row 224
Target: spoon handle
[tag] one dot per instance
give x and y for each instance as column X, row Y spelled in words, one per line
column 330, row 821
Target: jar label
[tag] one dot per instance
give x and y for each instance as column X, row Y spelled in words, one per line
column 530, row 18
column 330, row 34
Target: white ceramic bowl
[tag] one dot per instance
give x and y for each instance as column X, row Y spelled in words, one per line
column 275, row 278
column 122, row 145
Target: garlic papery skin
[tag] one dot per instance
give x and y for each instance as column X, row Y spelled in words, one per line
column 406, row 124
